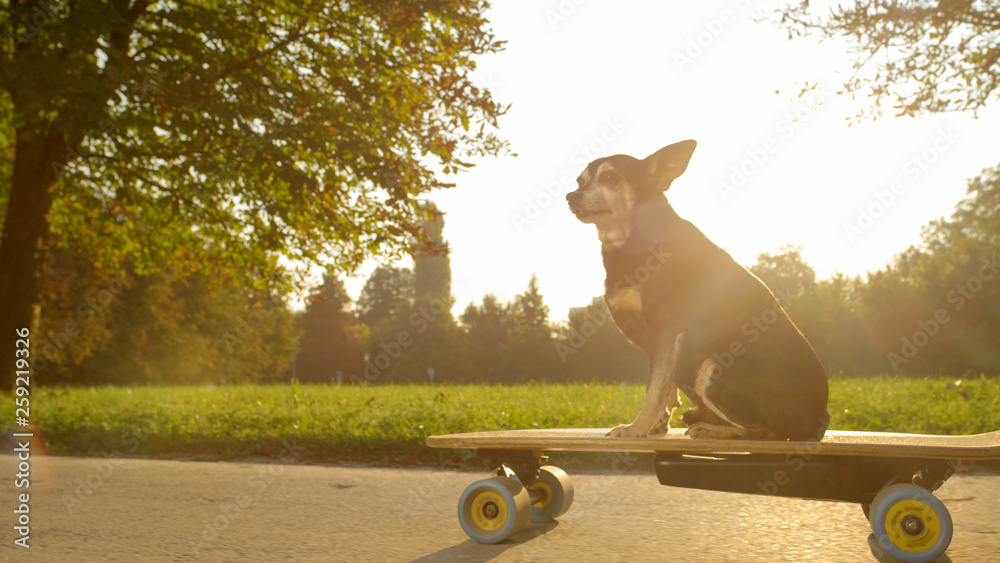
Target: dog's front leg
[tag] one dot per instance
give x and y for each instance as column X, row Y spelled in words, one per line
column 661, row 391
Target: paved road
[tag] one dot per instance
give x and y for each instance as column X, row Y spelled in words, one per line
column 138, row 510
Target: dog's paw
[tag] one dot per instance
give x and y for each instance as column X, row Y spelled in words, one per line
column 661, row 429
column 625, row 431
column 703, row 431
column 662, row 426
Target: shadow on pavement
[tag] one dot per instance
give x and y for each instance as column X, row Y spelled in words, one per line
column 470, row 550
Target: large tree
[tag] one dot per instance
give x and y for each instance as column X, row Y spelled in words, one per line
column 918, row 55
column 150, row 131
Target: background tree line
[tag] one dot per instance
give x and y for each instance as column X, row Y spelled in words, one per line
column 151, row 208
column 163, row 139
column 934, row 309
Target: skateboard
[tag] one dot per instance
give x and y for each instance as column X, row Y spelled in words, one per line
column 891, row 475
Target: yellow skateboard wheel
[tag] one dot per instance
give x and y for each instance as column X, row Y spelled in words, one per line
column 554, row 491
column 910, row 523
column 493, row 509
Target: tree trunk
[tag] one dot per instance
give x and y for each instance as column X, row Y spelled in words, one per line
column 24, row 243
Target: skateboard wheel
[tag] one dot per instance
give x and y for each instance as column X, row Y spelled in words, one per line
column 910, row 523
column 492, row 509
column 555, row 490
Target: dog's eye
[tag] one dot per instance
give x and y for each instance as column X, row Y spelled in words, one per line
column 610, row 178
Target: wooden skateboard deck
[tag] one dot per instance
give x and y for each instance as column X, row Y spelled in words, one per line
column 891, row 475
column 839, row 443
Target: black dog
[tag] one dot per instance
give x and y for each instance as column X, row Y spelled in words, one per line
column 710, row 327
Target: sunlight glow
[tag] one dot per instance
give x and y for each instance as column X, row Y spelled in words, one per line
column 771, row 168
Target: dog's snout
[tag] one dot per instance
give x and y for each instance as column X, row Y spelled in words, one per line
column 574, row 197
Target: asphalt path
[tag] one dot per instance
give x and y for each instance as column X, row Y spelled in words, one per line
column 83, row 509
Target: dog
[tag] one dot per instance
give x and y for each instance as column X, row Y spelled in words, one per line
column 709, row 326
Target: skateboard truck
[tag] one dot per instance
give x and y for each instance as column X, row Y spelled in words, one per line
column 523, row 464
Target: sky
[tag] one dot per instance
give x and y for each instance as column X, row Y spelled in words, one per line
column 587, row 79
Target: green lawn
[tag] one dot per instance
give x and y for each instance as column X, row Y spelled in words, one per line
column 387, row 424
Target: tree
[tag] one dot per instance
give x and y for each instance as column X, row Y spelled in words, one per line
column 594, row 349
column 890, row 305
column 431, row 323
column 436, row 342
column 79, row 318
column 977, row 216
column 488, row 329
column 826, row 311
column 530, row 311
column 160, row 328
column 509, row 342
column 793, row 282
column 329, row 342
column 404, row 347
column 387, row 294
column 938, row 304
column 924, row 55
column 786, row 273
column 154, row 132
column 413, row 333
column 532, row 355
column 839, row 332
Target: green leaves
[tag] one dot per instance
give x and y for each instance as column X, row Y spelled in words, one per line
column 252, row 128
column 918, row 55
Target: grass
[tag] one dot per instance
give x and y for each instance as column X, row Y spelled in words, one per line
column 386, row 425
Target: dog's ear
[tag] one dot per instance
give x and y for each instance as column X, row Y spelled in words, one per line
column 665, row 165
